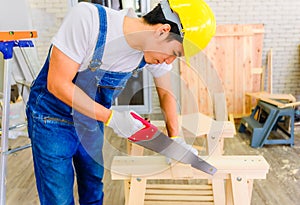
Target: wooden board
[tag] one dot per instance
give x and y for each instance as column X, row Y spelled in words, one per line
column 155, row 167
column 224, row 66
column 279, row 100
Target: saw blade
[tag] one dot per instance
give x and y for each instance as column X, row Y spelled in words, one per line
column 162, row 144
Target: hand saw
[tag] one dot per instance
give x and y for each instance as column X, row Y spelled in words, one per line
column 151, row 138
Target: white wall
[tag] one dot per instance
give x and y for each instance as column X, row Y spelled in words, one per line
column 47, row 16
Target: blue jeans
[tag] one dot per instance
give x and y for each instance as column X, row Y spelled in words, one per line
column 54, row 164
column 64, row 139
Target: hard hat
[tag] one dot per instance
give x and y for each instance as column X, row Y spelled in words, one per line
column 196, row 23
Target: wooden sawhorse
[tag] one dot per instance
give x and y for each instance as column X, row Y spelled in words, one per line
column 232, row 184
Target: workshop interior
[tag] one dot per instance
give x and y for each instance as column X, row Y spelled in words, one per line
column 238, row 105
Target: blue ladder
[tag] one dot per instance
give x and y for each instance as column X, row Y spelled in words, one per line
column 266, row 118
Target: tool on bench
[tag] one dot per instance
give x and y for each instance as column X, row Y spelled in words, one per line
column 151, row 138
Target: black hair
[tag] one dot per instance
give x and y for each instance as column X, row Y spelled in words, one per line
column 156, row 16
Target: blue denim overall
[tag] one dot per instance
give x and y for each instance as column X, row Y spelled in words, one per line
column 62, row 137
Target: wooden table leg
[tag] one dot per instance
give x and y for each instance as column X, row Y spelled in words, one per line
column 240, row 190
column 218, row 191
column 137, row 191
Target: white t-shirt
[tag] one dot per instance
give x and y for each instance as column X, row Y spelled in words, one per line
column 78, row 35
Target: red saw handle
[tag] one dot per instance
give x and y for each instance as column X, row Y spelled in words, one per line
column 144, row 134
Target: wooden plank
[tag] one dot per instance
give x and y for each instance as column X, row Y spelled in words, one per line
column 270, row 71
column 196, row 123
column 200, row 124
column 290, row 105
column 177, row 203
column 283, row 97
column 218, row 191
column 257, row 71
column 178, row 198
column 201, row 80
column 256, row 56
column 134, row 149
column 126, row 190
column 267, row 97
column 262, row 80
column 189, row 89
column 178, row 192
column 137, row 191
column 177, row 171
column 271, row 101
column 231, row 119
column 280, row 104
column 155, row 167
column 250, row 187
column 220, row 107
column 228, row 192
column 228, row 69
column 215, row 140
column 182, row 186
column 239, row 187
column 240, row 68
column 238, row 30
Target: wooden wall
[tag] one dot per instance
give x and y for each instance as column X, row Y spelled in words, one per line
column 227, row 65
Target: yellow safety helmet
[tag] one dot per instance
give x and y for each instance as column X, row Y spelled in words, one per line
column 195, row 21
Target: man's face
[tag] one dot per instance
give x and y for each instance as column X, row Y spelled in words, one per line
column 163, row 52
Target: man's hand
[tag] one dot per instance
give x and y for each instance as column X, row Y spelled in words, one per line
column 123, row 123
column 182, row 142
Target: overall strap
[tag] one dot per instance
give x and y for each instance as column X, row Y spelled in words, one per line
column 135, row 72
column 99, row 49
column 142, row 63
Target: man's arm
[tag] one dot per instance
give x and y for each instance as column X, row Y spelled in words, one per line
column 167, row 101
column 168, row 104
column 62, row 71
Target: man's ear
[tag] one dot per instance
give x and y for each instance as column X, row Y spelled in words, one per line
column 162, row 32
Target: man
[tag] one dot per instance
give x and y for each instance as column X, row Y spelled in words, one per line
column 92, row 56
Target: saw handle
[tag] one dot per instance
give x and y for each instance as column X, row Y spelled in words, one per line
column 144, row 134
